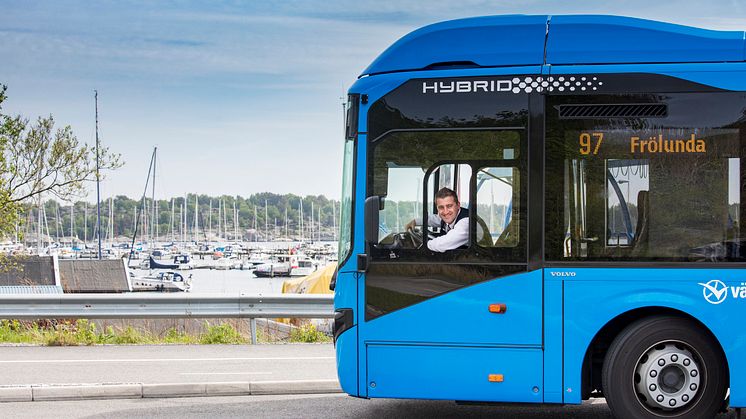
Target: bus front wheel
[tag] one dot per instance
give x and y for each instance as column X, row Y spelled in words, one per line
column 664, row 367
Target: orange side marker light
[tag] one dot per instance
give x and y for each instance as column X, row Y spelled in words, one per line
column 498, row 308
column 495, row 378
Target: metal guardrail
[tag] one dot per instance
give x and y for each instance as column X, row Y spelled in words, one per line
column 137, row 305
column 153, row 306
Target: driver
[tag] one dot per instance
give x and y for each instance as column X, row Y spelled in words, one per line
column 452, row 220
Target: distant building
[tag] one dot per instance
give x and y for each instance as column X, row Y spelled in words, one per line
column 49, row 275
column 94, row 276
column 30, row 275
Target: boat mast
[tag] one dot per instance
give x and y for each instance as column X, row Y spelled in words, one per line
column 186, row 215
column 225, row 221
column 98, row 183
column 154, row 218
column 184, row 231
column 173, row 211
column 111, row 222
column 195, row 232
column 144, row 216
column 38, row 228
column 57, row 220
column 181, row 223
column 29, row 223
column 143, row 206
column 300, row 220
column 46, row 225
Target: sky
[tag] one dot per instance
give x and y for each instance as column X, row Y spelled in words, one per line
column 238, row 97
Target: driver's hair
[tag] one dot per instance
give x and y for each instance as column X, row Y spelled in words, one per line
column 445, row 193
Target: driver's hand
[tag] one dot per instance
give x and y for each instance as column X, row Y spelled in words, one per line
column 410, row 225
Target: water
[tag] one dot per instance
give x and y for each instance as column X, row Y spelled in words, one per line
column 233, row 282
column 228, row 282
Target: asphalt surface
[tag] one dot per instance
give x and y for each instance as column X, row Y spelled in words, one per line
column 154, row 364
column 171, row 375
column 317, row 406
column 287, row 407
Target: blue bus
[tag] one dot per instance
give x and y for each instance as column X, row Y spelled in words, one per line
column 595, row 166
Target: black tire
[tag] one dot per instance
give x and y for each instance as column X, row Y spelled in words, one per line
column 690, row 381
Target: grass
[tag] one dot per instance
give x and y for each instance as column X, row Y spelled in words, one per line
column 308, row 333
column 84, row 332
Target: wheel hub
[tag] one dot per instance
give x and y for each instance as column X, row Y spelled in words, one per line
column 667, row 377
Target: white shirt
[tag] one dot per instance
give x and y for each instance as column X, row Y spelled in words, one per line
column 457, row 236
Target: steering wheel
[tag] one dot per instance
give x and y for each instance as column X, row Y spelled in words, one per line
column 414, row 236
column 409, row 239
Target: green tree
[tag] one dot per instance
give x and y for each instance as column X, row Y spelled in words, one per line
column 37, row 158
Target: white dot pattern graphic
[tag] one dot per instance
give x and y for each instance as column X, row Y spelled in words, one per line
column 551, row 84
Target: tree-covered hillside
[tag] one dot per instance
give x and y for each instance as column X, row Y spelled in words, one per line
column 260, row 216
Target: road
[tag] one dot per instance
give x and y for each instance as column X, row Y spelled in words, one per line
column 154, row 364
column 311, row 406
column 220, row 363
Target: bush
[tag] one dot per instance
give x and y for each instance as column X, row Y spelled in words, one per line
column 11, row 331
column 61, row 335
column 86, row 332
column 130, row 336
column 174, row 336
column 221, row 334
column 308, row 333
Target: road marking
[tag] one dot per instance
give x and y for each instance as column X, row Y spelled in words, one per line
column 61, row 361
column 224, row 373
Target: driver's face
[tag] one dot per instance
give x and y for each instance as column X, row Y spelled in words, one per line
column 448, row 208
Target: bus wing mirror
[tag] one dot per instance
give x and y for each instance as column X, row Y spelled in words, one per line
column 372, row 206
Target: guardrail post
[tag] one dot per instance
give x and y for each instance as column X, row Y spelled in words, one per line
column 252, row 326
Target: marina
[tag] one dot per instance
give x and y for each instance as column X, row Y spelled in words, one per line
column 222, row 268
column 259, row 269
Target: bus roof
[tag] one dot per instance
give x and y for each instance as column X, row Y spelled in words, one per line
column 519, row 40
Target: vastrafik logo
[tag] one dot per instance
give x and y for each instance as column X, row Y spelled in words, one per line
column 715, row 291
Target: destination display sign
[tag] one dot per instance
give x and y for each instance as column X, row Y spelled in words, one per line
column 647, row 143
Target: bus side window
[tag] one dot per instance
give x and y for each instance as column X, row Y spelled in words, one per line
column 452, row 176
column 653, row 188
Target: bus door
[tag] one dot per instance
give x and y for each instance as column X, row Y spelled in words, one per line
column 445, row 319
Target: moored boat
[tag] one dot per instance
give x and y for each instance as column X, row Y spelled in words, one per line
column 165, row 281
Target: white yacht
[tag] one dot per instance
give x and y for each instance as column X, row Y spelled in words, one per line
column 164, row 281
